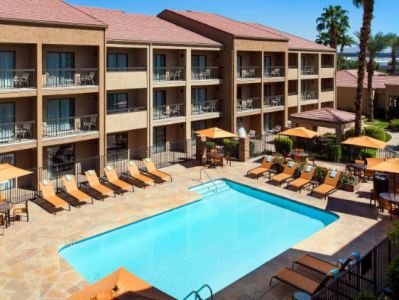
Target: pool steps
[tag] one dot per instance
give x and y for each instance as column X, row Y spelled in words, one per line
column 210, row 188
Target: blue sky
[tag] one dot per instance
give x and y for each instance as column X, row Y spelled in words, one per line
column 293, row 16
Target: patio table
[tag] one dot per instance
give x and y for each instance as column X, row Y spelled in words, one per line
column 302, row 155
column 357, row 168
column 5, row 208
column 391, row 197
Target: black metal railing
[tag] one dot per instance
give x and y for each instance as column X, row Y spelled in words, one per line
column 169, row 111
column 274, row 71
column 206, row 73
column 112, row 111
column 248, row 72
column 311, row 95
column 53, row 78
column 327, row 65
column 206, row 107
column 368, row 274
column 16, row 132
column 309, row 70
column 272, row 101
column 168, row 74
column 70, row 126
column 126, row 69
column 260, row 145
column 248, row 104
column 17, row 78
column 21, row 190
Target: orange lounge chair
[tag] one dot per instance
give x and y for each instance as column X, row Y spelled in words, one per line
column 152, row 170
column 113, row 179
column 134, row 173
column 306, row 177
column 71, row 188
column 302, row 282
column 263, row 168
column 287, row 173
column 48, row 194
column 94, row 183
column 330, row 184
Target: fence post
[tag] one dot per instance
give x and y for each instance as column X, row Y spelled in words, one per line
column 243, row 149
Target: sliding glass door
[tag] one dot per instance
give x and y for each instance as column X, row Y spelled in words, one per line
column 60, row 69
column 198, row 63
column 159, row 139
column 7, row 119
column 117, row 103
column 159, row 66
column 60, row 116
column 117, row 62
column 7, row 69
column 199, row 97
column 60, row 160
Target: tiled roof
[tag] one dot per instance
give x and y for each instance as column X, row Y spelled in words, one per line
column 143, row 28
column 45, row 11
column 326, row 115
column 233, row 27
column 348, row 78
column 295, row 42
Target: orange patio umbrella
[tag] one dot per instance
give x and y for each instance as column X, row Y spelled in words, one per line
column 8, row 172
column 301, row 132
column 121, row 284
column 216, row 133
column 365, row 141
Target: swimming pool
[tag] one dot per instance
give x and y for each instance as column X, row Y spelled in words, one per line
column 231, row 231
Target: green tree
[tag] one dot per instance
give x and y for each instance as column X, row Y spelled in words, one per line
column 394, row 44
column 368, row 10
column 345, row 40
column 332, row 25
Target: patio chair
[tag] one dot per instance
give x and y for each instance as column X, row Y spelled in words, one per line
column 250, row 103
column 135, row 174
column 94, row 183
column 263, row 168
column 176, row 111
column 113, row 179
column 3, row 223
column 287, row 173
column 88, row 79
column 329, row 186
column 301, row 282
column 212, row 106
column 207, row 74
column 21, row 211
column 24, row 80
column 90, row 123
column 386, row 205
column 305, row 179
column 47, row 194
column 152, row 170
column 252, row 134
column 71, row 188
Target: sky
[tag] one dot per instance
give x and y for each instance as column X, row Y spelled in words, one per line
column 294, row 16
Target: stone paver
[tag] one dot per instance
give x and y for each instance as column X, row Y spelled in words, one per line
column 31, row 267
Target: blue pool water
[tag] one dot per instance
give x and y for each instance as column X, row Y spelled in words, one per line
column 230, row 232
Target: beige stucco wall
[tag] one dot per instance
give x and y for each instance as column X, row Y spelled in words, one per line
column 127, row 80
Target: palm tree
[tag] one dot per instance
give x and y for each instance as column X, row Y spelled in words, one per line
column 345, row 40
column 331, row 25
column 376, row 44
column 368, row 9
column 394, row 44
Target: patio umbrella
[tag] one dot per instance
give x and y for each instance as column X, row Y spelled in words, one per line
column 121, row 283
column 216, row 133
column 365, row 141
column 388, row 166
column 301, row 132
column 8, row 172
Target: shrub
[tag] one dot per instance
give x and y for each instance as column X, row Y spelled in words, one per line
column 393, row 233
column 368, row 153
column 320, row 173
column 210, row 145
column 394, row 125
column 349, row 133
column 375, row 132
column 333, row 152
column 363, row 295
column 231, row 147
column 283, row 145
column 278, row 163
column 251, row 148
column 393, row 276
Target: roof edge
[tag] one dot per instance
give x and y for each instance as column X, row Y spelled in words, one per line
column 53, row 23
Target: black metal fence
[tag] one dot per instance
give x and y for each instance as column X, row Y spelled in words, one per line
column 261, row 145
column 21, row 189
column 369, row 274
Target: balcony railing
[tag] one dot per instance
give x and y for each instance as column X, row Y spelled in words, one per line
column 70, row 126
column 53, row 78
column 16, row 132
column 274, row 71
column 17, row 79
column 205, row 73
column 248, row 104
column 327, row 65
column 312, row 70
column 308, row 96
column 126, row 69
column 328, row 89
column 125, row 110
column 248, row 72
column 293, row 67
column 272, row 101
column 168, row 111
column 168, row 74
column 206, row 107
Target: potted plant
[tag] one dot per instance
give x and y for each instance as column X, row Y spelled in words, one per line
column 349, row 182
column 320, row 174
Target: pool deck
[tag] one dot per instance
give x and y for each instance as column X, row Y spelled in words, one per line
column 31, row 267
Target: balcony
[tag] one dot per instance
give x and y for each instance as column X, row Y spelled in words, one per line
column 17, row 79
column 273, row 102
column 170, row 74
column 309, row 96
column 16, row 132
column 71, row 126
column 206, row 73
column 126, row 78
column 130, row 118
column 274, row 72
column 205, row 110
column 65, row 78
column 250, row 105
column 309, row 71
column 168, row 112
column 248, row 73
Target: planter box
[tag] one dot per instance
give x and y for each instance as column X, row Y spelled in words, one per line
column 350, row 187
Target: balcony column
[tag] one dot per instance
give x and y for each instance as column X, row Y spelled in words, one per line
column 299, row 84
column 187, row 102
column 262, row 92
column 150, row 97
column 39, row 105
column 286, row 89
column 101, row 100
column 319, row 80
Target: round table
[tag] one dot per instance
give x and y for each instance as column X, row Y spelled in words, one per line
column 391, row 197
column 5, row 208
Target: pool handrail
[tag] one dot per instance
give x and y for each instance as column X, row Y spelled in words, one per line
column 197, row 295
column 209, row 178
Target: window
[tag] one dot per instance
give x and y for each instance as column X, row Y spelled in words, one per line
column 159, row 66
column 117, row 62
column 60, row 160
column 60, row 69
column 117, row 103
column 7, row 66
column 239, row 66
column 60, row 115
column 159, row 139
column 199, row 96
column 7, row 119
column 159, row 98
column 267, row 65
column 117, row 142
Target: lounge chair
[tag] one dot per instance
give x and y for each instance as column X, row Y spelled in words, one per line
column 152, row 170
column 71, row 188
column 48, row 194
column 330, row 184
column 322, row 266
column 263, row 168
column 94, row 183
column 113, row 179
column 135, row 174
column 302, row 282
column 287, row 173
column 305, row 179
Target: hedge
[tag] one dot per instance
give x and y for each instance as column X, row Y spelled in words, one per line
column 283, row 145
